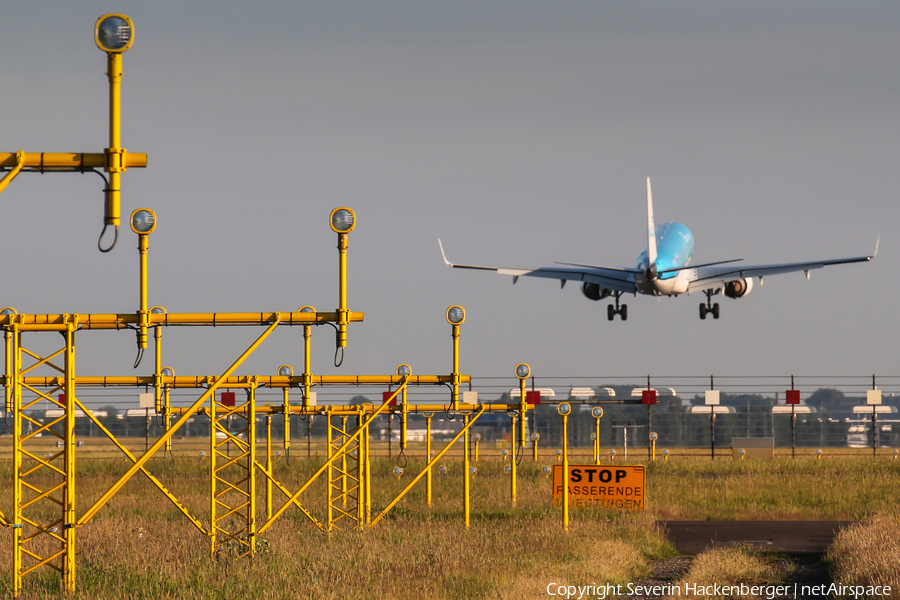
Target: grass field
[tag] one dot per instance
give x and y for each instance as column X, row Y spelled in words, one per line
column 140, row 546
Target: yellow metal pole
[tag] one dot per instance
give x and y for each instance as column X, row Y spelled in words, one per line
column 17, row 457
column 342, row 309
column 597, row 441
column 534, row 450
column 69, row 508
column 512, row 470
column 523, row 420
column 404, row 408
column 329, row 474
column 466, row 467
column 115, row 154
column 307, row 363
column 269, row 466
column 251, row 468
column 143, row 312
column 565, row 470
column 368, row 473
column 286, row 405
column 213, row 529
column 7, row 383
column 455, row 373
column 344, row 463
column 428, row 458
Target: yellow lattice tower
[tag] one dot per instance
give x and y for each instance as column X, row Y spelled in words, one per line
column 233, row 474
column 344, row 498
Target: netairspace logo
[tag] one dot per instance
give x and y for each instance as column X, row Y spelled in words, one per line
column 768, row 592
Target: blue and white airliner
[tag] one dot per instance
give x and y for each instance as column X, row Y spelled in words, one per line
column 664, row 268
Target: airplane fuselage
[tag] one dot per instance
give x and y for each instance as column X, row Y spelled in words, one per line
column 674, row 249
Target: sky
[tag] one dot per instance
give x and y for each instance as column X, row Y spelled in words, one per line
column 520, row 133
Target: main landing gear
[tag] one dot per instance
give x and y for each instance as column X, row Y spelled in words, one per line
column 709, row 307
column 612, row 311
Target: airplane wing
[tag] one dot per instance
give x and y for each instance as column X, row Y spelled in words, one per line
column 611, row 278
column 710, row 277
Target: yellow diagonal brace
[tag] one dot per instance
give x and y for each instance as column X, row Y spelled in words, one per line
column 175, row 426
column 334, row 457
column 20, row 162
column 42, row 360
column 428, row 467
column 287, row 493
column 155, row 481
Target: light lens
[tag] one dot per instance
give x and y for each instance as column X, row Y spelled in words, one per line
column 167, row 372
column 342, row 220
column 398, row 471
column 455, row 315
column 472, row 470
column 7, row 311
column 476, row 437
column 307, row 309
column 597, row 412
column 114, row 33
column 158, row 310
column 522, row 371
column 546, row 470
column 143, row 221
column 508, row 468
column 535, row 436
column 442, row 470
column 285, row 371
column 404, row 370
column 564, row 408
column 594, row 437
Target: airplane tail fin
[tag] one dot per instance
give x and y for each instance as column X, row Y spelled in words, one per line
column 651, row 227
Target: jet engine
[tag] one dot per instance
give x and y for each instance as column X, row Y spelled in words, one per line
column 739, row 287
column 594, row 291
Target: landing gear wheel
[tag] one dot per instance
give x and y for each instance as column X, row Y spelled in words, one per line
column 623, row 312
column 610, row 312
column 715, row 310
column 703, row 311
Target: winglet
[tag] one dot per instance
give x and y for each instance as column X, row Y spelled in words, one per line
column 446, row 262
column 651, row 227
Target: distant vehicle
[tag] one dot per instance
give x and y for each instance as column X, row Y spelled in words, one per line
column 663, row 269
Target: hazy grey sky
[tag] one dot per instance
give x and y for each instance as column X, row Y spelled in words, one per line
column 519, row 132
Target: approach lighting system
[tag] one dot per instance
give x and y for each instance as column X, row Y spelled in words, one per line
column 343, row 220
column 564, row 408
column 523, row 371
column 404, row 370
column 143, row 221
column 114, row 33
column 456, row 315
column 286, row 371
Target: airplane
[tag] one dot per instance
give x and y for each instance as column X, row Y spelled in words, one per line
column 663, row 268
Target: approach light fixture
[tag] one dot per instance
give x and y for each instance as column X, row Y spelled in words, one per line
column 594, row 436
column 114, row 33
column 307, row 309
column 442, row 470
column 523, row 371
column 564, row 408
column 143, row 221
column 343, row 220
column 286, row 370
column 654, row 436
column 398, row 471
column 597, row 412
column 473, row 470
column 535, row 436
column 404, row 370
column 6, row 311
column 476, row 437
column 546, row 471
column 158, row 310
column 167, row 372
column 456, row 315
column 508, row 468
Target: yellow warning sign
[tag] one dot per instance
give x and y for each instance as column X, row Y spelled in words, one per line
column 596, row 486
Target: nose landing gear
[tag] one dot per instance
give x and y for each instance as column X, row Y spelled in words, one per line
column 612, row 311
column 709, row 307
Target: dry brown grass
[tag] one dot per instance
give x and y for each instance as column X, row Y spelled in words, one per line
column 729, row 566
column 868, row 554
